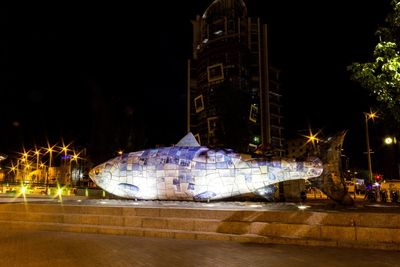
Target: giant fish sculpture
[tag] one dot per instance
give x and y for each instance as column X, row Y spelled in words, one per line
column 188, row 171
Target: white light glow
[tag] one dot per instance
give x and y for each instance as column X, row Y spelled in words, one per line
column 302, row 207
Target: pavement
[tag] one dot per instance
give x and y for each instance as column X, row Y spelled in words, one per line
column 22, row 247
column 39, row 248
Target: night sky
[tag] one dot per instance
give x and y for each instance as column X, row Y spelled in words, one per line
column 67, row 70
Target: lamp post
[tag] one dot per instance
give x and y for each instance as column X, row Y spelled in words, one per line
column 23, row 161
column 391, row 163
column 37, row 153
column 26, row 162
column 50, row 150
column 75, row 158
column 42, row 171
column 64, row 163
column 368, row 116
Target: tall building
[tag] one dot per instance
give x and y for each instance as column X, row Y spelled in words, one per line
column 234, row 97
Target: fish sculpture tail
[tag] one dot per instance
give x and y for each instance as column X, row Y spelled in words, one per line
column 331, row 181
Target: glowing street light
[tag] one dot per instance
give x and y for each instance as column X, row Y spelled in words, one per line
column 75, row 158
column 37, row 153
column 13, row 169
column 25, row 154
column 313, row 139
column 50, row 150
column 390, row 140
column 371, row 115
column 66, row 171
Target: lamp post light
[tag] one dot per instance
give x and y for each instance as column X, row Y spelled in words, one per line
column 75, row 158
column 64, row 164
column 368, row 116
column 391, row 162
column 313, row 139
column 17, row 172
column 50, row 151
column 390, row 140
column 42, row 171
column 22, row 163
column 37, row 153
column 28, row 170
column 13, row 169
column 27, row 166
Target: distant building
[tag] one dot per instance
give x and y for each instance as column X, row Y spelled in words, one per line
column 234, row 96
column 298, row 147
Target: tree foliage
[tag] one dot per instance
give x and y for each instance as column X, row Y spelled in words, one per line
column 382, row 76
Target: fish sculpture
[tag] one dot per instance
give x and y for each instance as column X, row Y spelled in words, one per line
column 188, row 171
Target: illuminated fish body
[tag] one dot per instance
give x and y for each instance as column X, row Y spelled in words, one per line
column 189, row 171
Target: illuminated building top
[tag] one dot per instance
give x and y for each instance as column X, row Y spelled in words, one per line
column 225, row 8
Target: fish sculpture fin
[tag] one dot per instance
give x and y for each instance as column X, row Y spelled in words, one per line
column 331, row 181
column 130, row 190
column 188, row 140
column 207, row 195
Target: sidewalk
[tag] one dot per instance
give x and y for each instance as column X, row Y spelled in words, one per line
column 38, row 248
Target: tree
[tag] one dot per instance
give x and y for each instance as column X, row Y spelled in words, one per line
column 382, row 76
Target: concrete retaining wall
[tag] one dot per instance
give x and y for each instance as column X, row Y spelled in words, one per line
column 338, row 229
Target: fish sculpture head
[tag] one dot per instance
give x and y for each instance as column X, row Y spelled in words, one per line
column 102, row 175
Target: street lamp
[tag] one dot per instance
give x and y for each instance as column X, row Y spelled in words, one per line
column 313, row 139
column 75, row 158
column 368, row 116
column 42, row 171
column 391, row 163
column 390, row 140
column 66, row 170
column 50, row 150
column 37, row 153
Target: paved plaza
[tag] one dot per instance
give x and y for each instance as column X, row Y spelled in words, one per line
column 28, row 247
column 41, row 248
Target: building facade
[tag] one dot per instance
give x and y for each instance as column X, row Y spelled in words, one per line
column 234, row 96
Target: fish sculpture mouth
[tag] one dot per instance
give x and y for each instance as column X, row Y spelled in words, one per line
column 101, row 176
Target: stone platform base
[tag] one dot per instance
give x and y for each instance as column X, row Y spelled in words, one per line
column 302, row 227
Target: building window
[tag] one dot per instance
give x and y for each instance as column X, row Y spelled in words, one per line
column 253, row 113
column 212, row 124
column 197, row 137
column 199, row 103
column 215, row 72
